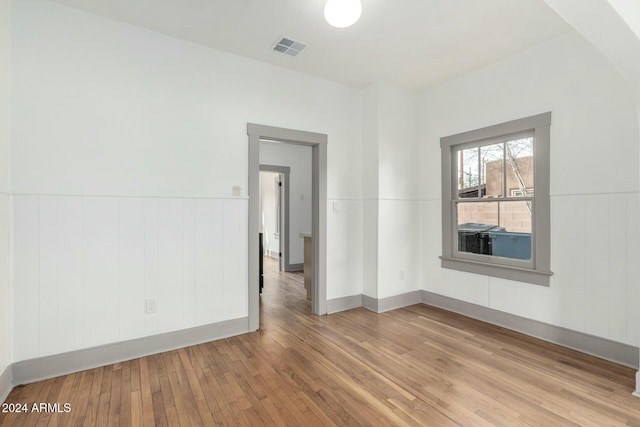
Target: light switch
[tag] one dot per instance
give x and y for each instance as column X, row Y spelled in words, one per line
column 336, row 207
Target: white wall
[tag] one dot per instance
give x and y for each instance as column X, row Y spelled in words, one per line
column 398, row 212
column 594, row 185
column 370, row 186
column 298, row 159
column 140, row 137
column 5, row 83
column 391, row 188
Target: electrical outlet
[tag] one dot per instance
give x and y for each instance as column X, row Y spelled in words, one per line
column 236, row 190
column 151, row 305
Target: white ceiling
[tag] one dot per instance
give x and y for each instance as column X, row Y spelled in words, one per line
column 414, row 44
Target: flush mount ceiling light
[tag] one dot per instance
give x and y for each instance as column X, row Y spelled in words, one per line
column 342, row 13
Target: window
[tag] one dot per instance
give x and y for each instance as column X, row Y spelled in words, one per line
column 495, row 200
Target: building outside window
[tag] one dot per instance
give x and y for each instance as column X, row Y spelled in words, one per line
column 495, row 200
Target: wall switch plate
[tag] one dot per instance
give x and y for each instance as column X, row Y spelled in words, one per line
column 401, row 275
column 336, row 207
column 151, row 305
column 236, row 190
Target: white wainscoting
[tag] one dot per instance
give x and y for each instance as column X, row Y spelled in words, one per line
column 83, row 267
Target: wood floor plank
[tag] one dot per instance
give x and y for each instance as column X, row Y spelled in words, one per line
column 93, row 398
column 79, row 400
column 148, row 415
column 416, row 366
column 125, row 398
column 115, row 393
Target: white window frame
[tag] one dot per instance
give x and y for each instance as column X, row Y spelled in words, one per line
column 537, row 270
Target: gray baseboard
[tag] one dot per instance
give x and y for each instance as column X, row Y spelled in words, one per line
column 6, row 383
column 294, row 267
column 345, row 303
column 399, row 301
column 27, row 371
column 603, row 348
column 370, row 303
column 391, row 303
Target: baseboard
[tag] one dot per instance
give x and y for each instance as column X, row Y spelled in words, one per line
column 391, row 303
column 344, row 303
column 290, row 268
column 637, row 392
column 41, row 368
column 399, row 301
column 6, row 383
column 603, row 348
column 370, row 303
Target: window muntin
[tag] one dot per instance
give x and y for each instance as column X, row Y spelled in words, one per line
column 495, row 181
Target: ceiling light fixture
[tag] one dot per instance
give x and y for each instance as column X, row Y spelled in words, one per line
column 342, row 13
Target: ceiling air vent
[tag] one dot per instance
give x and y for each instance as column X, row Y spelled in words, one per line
column 289, row 47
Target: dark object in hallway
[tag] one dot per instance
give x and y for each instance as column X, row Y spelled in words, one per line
column 261, row 263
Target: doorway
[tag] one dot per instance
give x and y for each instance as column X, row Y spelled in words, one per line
column 274, row 213
column 318, row 144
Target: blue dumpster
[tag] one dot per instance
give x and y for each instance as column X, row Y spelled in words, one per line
column 511, row 244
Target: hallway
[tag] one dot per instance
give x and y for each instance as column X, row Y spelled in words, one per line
column 283, row 297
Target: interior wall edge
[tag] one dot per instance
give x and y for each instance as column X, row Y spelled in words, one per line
column 41, row 368
column 6, row 383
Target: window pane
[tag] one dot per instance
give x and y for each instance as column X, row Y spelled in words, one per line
column 495, row 228
column 468, row 174
column 515, row 216
column 519, row 156
column 492, row 161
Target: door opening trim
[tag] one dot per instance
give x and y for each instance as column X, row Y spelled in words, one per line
column 318, row 144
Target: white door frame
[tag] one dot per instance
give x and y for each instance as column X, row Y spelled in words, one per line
column 318, row 144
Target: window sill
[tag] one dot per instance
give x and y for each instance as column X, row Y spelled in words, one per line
column 517, row 274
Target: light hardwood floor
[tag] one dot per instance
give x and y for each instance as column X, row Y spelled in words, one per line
column 414, row 366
